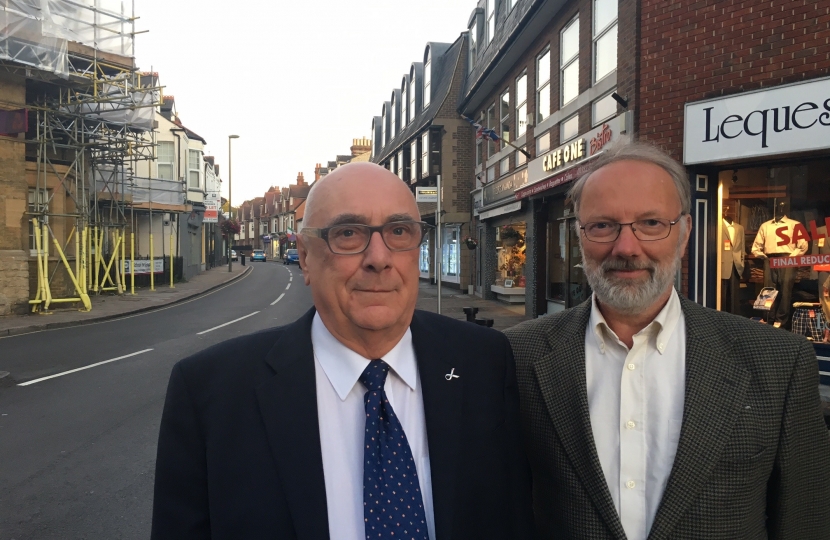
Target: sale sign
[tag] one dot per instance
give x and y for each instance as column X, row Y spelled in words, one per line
column 802, row 260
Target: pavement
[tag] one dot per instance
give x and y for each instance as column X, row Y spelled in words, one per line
column 453, row 300
column 110, row 306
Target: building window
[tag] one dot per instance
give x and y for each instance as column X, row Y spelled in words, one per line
column 166, row 161
column 383, row 127
column 392, row 116
column 543, row 86
column 413, row 160
column 605, row 38
column 401, row 166
column 427, row 78
column 425, row 154
column 473, row 45
column 521, row 159
column 491, row 174
column 543, row 143
column 37, row 200
column 412, row 111
column 491, row 124
column 504, row 166
column 521, row 105
column 480, row 143
column 570, row 62
column 491, row 20
column 569, row 128
column 504, row 114
column 508, row 5
column 404, row 104
column 193, row 159
column 603, row 109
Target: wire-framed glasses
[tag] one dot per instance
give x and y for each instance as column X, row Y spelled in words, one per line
column 353, row 238
column 646, row 230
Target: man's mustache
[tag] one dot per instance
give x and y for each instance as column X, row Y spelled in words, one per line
column 621, row 263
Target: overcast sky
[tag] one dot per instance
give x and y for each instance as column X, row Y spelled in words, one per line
column 297, row 81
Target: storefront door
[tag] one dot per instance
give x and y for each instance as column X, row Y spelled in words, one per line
column 578, row 288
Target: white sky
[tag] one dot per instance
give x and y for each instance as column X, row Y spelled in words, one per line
column 297, row 81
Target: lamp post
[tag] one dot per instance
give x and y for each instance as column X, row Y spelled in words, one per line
column 230, row 206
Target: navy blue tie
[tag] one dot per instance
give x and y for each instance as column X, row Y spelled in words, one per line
column 392, row 504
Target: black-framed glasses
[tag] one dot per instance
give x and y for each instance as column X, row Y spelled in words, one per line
column 353, row 238
column 646, row 230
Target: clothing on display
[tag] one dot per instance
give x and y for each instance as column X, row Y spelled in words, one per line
column 732, row 264
column 808, row 320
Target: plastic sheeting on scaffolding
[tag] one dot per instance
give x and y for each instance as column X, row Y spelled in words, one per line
column 157, row 191
column 36, row 32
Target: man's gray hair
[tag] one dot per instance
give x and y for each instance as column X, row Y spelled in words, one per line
column 625, row 150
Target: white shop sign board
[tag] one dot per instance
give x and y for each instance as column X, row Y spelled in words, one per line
column 426, row 194
column 143, row 266
column 766, row 122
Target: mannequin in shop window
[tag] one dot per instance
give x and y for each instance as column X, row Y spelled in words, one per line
column 766, row 245
column 732, row 258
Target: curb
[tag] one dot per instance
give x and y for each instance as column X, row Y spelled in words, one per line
column 67, row 324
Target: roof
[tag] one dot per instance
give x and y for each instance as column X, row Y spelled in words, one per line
column 445, row 57
column 298, row 192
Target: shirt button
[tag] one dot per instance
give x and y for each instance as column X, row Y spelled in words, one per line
column 630, row 484
column 630, row 424
column 660, row 346
column 631, row 367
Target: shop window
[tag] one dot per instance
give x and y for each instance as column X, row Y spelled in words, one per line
column 521, row 105
column 424, row 258
column 194, row 158
column 543, row 143
column 543, row 86
column 569, row 128
column 511, row 257
column 569, row 62
column 504, row 113
column 491, row 124
column 450, row 254
column 166, row 161
column 605, row 38
column 603, row 109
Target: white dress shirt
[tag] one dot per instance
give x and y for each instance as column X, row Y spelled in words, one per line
column 342, row 420
column 635, row 400
column 766, row 241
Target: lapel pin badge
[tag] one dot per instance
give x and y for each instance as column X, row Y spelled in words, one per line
column 451, row 375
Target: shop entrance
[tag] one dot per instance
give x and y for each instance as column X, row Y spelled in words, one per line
column 566, row 282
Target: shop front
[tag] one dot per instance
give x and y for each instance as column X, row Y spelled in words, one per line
column 760, row 170
column 559, row 277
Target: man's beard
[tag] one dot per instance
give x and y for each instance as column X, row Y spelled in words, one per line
column 626, row 295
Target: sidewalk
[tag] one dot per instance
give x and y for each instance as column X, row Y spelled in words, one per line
column 110, row 306
column 452, row 300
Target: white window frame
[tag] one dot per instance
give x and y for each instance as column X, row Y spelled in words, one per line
column 543, row 86
column 562, row 138
column 598, row 34
column 480, row 142
column 425, row 154
column 595, row 121
column 392, row 123
column 492, row 122
column 490, row 21
column 383, row 126
column 504, row 115
column 427, row 79
column 473, row 44
column 413, row 159
column 564, row 63
column 401, row 166
column 521, row 105
column 164, row 161
column 412, row 105
column 194, row 168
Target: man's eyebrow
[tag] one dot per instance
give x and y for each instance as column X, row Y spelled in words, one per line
column 341, row 219
column 400, row 217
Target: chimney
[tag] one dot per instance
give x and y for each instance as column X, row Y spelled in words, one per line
column 361, row 146
column 300, row 179
column 316, row 172
column 216, row 169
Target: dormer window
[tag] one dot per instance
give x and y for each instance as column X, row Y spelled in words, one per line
column 427, row 77
column 491, row 20
column 473, row 44
column 405, row 112
column 412, row 88
column 383, row 127
column 392, row 118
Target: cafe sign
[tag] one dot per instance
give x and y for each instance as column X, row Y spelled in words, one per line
column 786, row 119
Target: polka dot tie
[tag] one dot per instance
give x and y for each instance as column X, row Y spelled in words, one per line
column 392, row 504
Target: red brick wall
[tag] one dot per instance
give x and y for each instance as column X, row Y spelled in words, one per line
column 707, row 48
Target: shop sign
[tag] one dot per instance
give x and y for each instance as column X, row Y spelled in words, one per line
column 568, row 176
column 504, row 188
column 426, row 194
column 568, row 155
column 802, row 260
column 786, row 119
column 142, row 266
column 211, row 214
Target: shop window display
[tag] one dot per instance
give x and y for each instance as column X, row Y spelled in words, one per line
column 451, row 252
column 510, row 247
column 772, row 220
column 423, row 259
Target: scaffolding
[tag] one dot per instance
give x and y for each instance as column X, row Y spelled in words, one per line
column 93, row 123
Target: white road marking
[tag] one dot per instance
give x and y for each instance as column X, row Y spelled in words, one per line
column 291, row 277
column 278, row 299
column 27, row 383
column 288, row 286
column 226, row 324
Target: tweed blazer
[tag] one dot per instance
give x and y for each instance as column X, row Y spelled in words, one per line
column 753, row 459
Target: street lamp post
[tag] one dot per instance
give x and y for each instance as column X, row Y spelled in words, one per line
column 230, row 206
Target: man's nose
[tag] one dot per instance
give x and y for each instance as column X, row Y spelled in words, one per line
column 377, row 256
column 627, row 244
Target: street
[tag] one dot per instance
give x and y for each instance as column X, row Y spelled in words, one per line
column 77, row 449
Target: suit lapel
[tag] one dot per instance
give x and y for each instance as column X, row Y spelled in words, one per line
column 715, row 390
column 288, row 404
column 563, row 383
column 442, row 410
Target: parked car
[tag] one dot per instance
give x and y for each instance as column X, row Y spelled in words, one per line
column 291, row 256
column 234, row 256
column 258, row 255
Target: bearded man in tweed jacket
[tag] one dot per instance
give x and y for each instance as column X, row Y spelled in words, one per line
column 647, row 416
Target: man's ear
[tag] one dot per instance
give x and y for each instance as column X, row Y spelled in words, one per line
column 302, row 254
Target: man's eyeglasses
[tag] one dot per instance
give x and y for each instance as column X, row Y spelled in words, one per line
column 646, row 230
column 352, row 238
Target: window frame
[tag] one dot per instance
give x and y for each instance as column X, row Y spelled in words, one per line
column 191, row 169
column 596, row 36
column 392, row 120
column 405, row 102
column 541, row 86
column 490, row 19
column 171, row 163
column 480, row 142
column 504, row 115
column 491, row 124
column 413, row 159
column 427, row 95
column 473, row 49
column 413, row 105
column 383, row 125
column 565, row 64
column 562, row 138
column 594, row 121
column 425, row 154
column 521, row 119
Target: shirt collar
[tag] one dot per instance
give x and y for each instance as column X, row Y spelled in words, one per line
column 663, row 324
column 343, row 366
